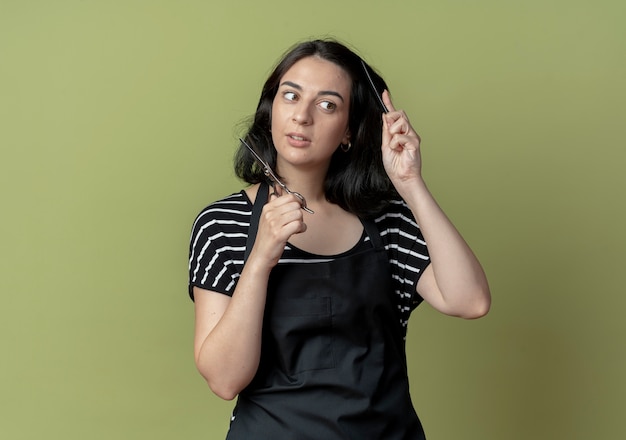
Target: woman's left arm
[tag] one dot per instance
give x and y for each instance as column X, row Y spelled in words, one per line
column 454, row 283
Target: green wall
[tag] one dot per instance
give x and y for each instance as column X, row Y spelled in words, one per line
column 117, row 125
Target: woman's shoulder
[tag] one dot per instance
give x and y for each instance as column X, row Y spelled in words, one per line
column 395, row 211
column 235, row 207
column 396, row 222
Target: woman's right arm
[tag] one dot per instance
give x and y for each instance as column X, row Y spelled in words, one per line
column 227, row 340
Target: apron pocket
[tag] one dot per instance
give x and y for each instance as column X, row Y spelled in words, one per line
column 302, row 332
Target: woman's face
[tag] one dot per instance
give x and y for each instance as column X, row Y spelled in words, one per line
column 310, row 113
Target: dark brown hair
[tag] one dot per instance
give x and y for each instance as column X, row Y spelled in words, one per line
column 356, row 180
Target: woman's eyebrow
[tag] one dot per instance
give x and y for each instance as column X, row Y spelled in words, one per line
column 320, row 93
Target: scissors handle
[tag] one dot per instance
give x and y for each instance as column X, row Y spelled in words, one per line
column 294, row 193
column 302, row 200
column 275, row 180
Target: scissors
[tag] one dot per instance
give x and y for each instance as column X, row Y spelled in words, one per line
column 274, row 180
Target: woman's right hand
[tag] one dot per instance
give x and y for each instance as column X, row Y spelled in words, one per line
column 228, row 329
column 281, row 218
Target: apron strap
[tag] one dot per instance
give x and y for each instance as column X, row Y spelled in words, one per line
column 259, row 202
column 373, row 234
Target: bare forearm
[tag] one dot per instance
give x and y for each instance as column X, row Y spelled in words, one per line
column 228, row 343
column 228, row 357
column 458, row 274
column 454, row 283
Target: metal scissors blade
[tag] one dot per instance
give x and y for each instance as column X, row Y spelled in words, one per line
column 369, row 78
column 274, row 179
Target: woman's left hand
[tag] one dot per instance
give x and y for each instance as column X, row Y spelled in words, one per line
column 400, row 146
column 454, row 283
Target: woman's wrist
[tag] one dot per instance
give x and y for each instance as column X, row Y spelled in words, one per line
column 415, row 193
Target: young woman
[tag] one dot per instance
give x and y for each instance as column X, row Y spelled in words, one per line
column 302, row 315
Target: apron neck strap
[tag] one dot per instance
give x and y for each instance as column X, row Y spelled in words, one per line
column 373, row 234
column 260, row 201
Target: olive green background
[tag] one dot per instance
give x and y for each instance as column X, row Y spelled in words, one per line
column 118, row 122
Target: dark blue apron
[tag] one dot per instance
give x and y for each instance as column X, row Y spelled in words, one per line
column 333, row 362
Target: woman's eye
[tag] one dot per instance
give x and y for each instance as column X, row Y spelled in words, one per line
column 327, row 105
column 289, row 96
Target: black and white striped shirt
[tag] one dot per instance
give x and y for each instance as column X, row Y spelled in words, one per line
column 218, row 244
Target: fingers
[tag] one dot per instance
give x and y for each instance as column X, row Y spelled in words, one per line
column 284, row 215
column 397, row 129
column 277, row 190
column 387, row 101
column 398, row 132
column 281, row 218
column 396, row 120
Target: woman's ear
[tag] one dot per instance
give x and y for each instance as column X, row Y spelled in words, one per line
column 346, row 138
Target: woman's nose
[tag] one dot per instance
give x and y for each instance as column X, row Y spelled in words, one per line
column 301, row 114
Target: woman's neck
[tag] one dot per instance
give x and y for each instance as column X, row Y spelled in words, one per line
column 308, row 182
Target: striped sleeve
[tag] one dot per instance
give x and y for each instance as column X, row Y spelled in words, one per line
column 217, row 244
column 408, row 254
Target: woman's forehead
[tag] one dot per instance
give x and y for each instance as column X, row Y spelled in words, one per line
column 318, row 73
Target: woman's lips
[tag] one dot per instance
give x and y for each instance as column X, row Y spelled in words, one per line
column 297, row 140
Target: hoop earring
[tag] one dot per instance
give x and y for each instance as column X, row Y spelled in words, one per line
column 345, row 148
